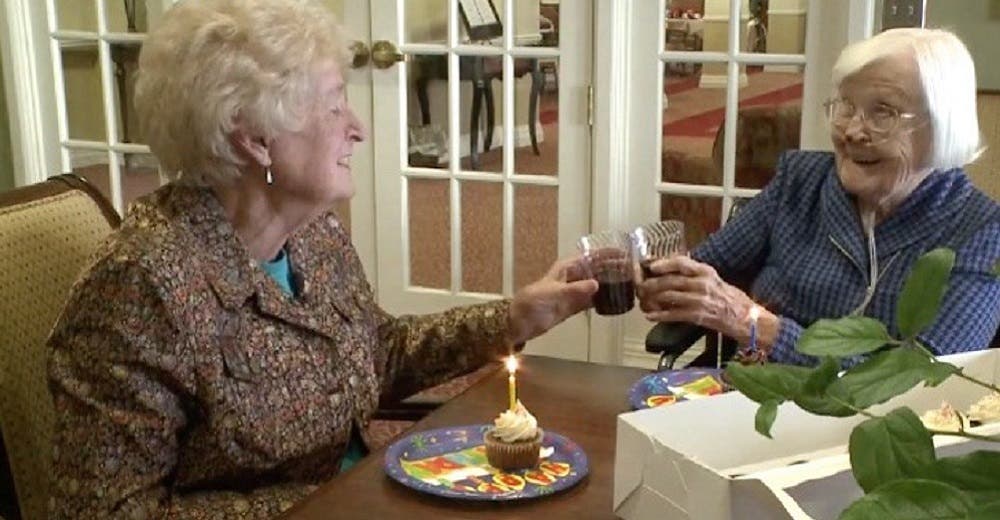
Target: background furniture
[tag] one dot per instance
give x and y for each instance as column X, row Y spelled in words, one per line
column 575, row 399
column 481, row 71
column 762, row 133
column 47, row 233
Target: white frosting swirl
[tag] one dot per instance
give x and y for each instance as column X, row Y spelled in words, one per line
column 987, row 409
column 516, row 425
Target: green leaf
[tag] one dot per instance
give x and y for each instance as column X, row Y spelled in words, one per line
column 977, row 473
column 923, row 291
column 843, row 337
column 912, row 499
column 765, row 417
column 939, row 371
column 884, row 449
column 987, row 512
column 884, row 376
column 762, row 383
column 812, row 396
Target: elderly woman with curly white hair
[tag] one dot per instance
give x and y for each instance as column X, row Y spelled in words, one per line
column 224, row 352
column 834, row 234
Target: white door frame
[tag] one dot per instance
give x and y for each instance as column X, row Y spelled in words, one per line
column 613, row 48
column 31, row 101
column 356, row 21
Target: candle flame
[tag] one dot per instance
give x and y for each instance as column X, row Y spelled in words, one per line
column 511, row 363
column 754, row 313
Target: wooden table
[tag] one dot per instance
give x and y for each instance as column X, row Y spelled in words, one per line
column 576, row 399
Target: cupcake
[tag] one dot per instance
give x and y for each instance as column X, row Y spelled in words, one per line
column 515, row 440
column 987, row 410
column 944, row 419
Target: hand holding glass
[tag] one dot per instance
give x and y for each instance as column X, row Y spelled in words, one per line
column 608, row 258
column 658, row 240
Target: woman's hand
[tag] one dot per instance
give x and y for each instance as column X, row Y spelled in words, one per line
column 537, row 307
column 686, row 290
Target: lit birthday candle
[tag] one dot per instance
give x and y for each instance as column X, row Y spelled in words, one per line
column 754, row 315
column 511, row 363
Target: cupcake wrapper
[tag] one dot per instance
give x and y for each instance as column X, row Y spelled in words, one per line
column 512, row 455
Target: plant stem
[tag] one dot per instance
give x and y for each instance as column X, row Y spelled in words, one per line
column 958, row 371
column 963, row 433
column 861, row 411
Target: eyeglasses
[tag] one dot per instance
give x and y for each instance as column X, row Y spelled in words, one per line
column 880, row 119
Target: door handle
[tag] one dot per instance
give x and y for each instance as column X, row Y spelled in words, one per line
column 360, row 55
column 385, row 54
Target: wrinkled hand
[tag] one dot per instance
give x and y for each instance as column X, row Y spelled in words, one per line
column 685, row 290
column 537, row 307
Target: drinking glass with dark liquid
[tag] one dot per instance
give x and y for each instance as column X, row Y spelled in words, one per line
column 609, row 258
column 657, row 240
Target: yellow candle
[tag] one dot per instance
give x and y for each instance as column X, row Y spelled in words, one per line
column 511, row 382
column 512, row 390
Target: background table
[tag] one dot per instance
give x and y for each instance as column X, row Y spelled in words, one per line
column 578, row 400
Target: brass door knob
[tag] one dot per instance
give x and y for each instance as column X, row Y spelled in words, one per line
column 359, row 54
column 385, row 54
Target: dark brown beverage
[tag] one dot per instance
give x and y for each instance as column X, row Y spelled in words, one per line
column 615, row 294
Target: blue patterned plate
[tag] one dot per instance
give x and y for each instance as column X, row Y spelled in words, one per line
column 451, row 462
column 670, row 386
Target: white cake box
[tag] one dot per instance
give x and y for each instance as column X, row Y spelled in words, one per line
column 703, row 460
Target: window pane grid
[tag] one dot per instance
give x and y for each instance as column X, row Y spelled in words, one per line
column 101, row 40
column 735, row 58
column 508, row 49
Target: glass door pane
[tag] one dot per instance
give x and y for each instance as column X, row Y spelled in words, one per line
column 475, row 110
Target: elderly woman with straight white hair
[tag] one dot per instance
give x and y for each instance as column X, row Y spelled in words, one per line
column 834, row 234
column 225, row 352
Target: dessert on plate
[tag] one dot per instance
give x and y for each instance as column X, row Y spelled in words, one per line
column 987, row 409
column 515, row 440
column 945, row 419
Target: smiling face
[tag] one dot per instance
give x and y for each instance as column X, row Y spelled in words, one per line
column 882, row 169
column 312, row 165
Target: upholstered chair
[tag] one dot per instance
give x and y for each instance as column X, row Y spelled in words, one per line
column 47, row 233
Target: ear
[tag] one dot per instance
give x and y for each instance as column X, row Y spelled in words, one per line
column 251, row 147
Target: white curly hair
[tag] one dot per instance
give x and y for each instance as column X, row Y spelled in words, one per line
column 211, row 63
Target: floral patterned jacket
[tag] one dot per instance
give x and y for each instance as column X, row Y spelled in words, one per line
column 188, row 385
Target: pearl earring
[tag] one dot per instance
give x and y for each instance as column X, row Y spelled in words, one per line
column 268, row 177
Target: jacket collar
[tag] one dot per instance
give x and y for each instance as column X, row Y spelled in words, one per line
column 925, row 212
column 236, row 277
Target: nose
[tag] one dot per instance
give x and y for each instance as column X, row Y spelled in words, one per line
column 356, row 130
column 856, row 131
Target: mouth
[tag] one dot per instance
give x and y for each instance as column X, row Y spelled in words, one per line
column 865, row 161
column 345, row 162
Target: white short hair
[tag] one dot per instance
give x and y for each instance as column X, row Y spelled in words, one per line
column 210, row 63
column 947, row 77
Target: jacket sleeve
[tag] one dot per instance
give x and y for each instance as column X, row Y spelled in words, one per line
column 970, row 311
column 740, row 247
column 121, row 386
column 417, row 352
column 738, row 250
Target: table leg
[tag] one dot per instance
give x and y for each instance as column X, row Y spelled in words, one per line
column 425, row 111
column 536, row 90
column 474, row 123
column 490, row 114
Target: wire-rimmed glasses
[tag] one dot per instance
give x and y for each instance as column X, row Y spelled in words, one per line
column 881, row 120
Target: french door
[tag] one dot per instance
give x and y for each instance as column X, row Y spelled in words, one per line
column 483, row 151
